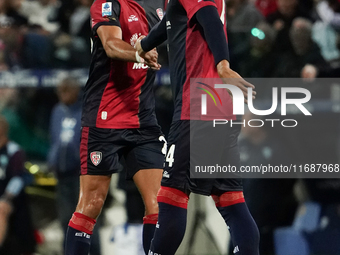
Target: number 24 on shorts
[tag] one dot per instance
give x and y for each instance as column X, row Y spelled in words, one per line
column 170, row 156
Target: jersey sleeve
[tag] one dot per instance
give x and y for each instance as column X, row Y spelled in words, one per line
column 105, row 13
column 192, row 6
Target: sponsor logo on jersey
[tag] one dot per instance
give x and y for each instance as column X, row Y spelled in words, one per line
column 106, row 9
column 139, row 66
column 236, row 249
column 134, row 38
column 104, row 115
column 82, row 234
column 166, row 174
column 132, row 18
column 160, row 13
column 168, row 25
column 96, row 157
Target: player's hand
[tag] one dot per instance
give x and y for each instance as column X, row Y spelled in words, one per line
column 150, row 58
column 229, row 76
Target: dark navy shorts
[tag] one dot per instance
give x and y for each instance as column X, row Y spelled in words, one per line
column 178, row 159
column 103, row 150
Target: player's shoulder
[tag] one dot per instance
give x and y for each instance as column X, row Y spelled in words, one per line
column 105, row 8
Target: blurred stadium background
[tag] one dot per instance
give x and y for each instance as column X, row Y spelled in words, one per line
column 43, row 42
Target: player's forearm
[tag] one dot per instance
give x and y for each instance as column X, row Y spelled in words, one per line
column 214, row 32
column 156, row 36
column 118, row 49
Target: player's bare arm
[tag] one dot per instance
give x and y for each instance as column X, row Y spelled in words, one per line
column 226, row 73
column 116, row 48
column 214, row 33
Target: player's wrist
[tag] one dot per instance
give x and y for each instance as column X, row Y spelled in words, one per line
column 139, row 59
column 223, row 64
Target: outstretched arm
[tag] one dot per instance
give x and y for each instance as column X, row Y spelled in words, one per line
column 215, row 36
column 116, row 48
column 157, row 36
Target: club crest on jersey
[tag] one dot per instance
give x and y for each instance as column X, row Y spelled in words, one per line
column 134, row 38
column 160, row 13
column 96, row 157
column 106, row 9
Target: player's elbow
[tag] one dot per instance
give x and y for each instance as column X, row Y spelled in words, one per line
column 108, row 50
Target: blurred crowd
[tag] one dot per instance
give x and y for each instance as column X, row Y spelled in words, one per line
column 267, row 38
column 284, row 38
column 44, row 34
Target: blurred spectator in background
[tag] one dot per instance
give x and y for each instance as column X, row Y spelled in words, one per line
column 329, row 12
column 242, row 17
column 261, row 60
column 63, row 158
column 326, row 30
column 23, row 47
column 3, row 64
column 266, row 7
column 282, row 20
column 310, row 72
column 73, row 43
column 39, row 14
column 11, row 37
column 270, row 201
column 16, row 229
column 305, row 51
column 9, row 9
column 64, row 13
column 25, row 117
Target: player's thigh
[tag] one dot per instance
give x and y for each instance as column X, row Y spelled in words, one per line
column 231, row 159
column 101, row 150
column 212, row 148
column 145, row 165
column 147, row 151
column 176, row 167
column 100, row 153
